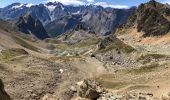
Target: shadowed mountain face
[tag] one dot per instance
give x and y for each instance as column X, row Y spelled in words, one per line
column 102, row 21
column 58, row 18
column 152, row 18
column 62, row 25
column 28, row 25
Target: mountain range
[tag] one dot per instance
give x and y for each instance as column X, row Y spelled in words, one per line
column 58, row 18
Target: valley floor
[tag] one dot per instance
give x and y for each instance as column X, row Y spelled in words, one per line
column 33, row 73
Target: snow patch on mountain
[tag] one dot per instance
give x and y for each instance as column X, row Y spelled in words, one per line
column 78, row 12
column 62, row 7
column 50, row 7
column 29, row 5
column 17, row 6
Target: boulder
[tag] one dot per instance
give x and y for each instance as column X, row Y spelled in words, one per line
column 88, row 89
column 91, row 94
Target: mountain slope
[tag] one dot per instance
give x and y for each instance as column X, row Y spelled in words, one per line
column 148, row 28
column 151, row 18
column 60, row 26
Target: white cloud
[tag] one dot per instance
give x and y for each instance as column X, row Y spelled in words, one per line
column 90, row 1
column 105, row 5
column 166, row 1
column 87, row 2
column 69, row 2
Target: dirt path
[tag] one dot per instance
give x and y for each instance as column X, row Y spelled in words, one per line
column 91, row 66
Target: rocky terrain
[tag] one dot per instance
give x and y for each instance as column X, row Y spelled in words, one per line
column 81, row 64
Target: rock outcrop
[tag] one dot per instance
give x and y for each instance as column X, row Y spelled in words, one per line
column 3, row 94
column 88, row 89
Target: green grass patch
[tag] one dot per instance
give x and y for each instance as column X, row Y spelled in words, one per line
column 85, row 43
column 120, row 47
column 32, row 73
column 69, row 58
column 111, row 85
column 138, row 87
column 53, row 41
column 25, row 44
column 107, row 81
column 11, row 53
column 149, row 57
column 62, row 46
column 144, row 69
column 74, row 48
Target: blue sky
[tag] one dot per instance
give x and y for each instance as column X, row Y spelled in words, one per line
column 105, row 3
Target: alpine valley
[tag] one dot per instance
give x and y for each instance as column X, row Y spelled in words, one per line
column 52, row 51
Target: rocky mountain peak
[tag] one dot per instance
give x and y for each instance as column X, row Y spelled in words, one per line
column 151, row 18
column 54, row 3
column 27, row 24
column 14, row 4
column 152, row 3
column 80, row 27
